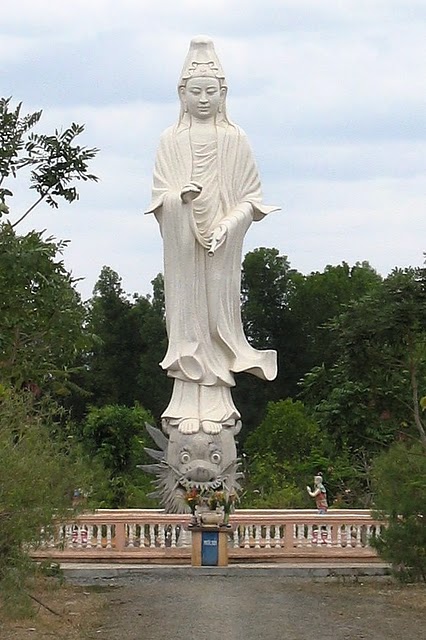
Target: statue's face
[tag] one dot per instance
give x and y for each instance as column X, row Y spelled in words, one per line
column 197, row 460
column 201, row 458
column 202, row 97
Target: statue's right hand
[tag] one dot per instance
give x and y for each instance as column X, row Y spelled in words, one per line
column 190, row 192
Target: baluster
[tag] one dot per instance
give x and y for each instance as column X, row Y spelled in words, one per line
column 42, row 538
column 347, row 536
column 162, row 536
column 131, row 534
column 142, row 539
column 358, row 542
column 68, row 536
column 277, row 537
column 300, row 535
column 290, row 536
column 339, row 535
column 236, row 537
column 79, row 538
column 99, row 536
column 51, row 542
column 257, row 536
column 152, row 536
column 174, row 536
column 371, row 532
column 61, row 537
column 109, row 536
column 185, row 538
column 246, row 537
column 364, row 535
column 329, row 535
column 89, row 536
column 350, row 536
column 268, row 536
column 348, row 531
column 311, row 535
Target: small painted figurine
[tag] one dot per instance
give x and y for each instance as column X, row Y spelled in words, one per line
column 319, row 493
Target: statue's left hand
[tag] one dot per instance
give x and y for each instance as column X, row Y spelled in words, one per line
column 218, row 237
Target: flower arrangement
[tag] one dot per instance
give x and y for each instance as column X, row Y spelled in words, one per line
column 192, row 499
column 210, row 501
column 223, row 499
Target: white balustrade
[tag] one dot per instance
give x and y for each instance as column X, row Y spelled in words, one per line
column 253, row 533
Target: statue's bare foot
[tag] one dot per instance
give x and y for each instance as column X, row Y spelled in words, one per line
column 209, row 426
column 189, row 425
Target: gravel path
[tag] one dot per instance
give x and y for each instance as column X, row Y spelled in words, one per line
column 258, row 607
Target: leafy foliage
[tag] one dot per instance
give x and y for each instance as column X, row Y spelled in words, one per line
column 289, row 312
column 37, row 477
column 115, row 436
column 55, row 161
column 42, row 334
column 371, row 393
column 12, row 131
column 41, row 314
column 399, row 477
column 122, row 368
column 282, row 452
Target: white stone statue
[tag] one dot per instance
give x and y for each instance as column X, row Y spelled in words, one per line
column 206, row 194
column 319, row 493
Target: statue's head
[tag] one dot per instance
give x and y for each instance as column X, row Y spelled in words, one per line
column 318, row 480
column 202, row 85
column 197, row 460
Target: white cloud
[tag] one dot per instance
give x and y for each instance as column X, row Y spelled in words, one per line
column 331, row 95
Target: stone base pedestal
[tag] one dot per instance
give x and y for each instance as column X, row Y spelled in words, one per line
column 209, row 546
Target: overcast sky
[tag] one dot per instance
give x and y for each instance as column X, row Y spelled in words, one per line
column 332, row 95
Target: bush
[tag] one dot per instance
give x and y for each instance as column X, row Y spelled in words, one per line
column 400, row 499
column 37, row 478
column 114, row 436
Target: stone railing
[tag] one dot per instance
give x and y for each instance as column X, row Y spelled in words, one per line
column 150, row 535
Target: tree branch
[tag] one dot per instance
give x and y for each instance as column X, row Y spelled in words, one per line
column 29, row 210
column 44, row 605
column 416, row 410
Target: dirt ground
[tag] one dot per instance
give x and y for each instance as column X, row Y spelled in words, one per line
column 229, row 608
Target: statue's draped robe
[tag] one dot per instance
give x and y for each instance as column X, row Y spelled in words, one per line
column 206, row 340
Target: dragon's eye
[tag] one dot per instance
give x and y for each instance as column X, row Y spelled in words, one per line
column 216, row 457
column 185, row 457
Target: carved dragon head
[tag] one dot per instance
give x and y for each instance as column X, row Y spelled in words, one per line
column 184, row 461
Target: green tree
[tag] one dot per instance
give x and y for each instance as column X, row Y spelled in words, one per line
column 321, row 296
column 283, row 452
column 371, row 395
column 399, row 483
column 372, row 392
column 41, row 314
column 267, row 284
column 41, row 335
column 287, row 311
column 113, row 364
column 37, row 478
column 287, row 449
column 123, row 367
column 55, row 161
column 154, row 386
column 114, row 435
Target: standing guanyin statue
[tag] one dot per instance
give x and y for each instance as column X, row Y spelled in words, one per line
column 206, row 194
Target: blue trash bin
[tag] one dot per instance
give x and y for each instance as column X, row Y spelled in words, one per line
column 210, row 548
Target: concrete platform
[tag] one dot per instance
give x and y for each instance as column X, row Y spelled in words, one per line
column 96, row 573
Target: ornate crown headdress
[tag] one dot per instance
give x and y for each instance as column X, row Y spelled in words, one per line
column 201, row 60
